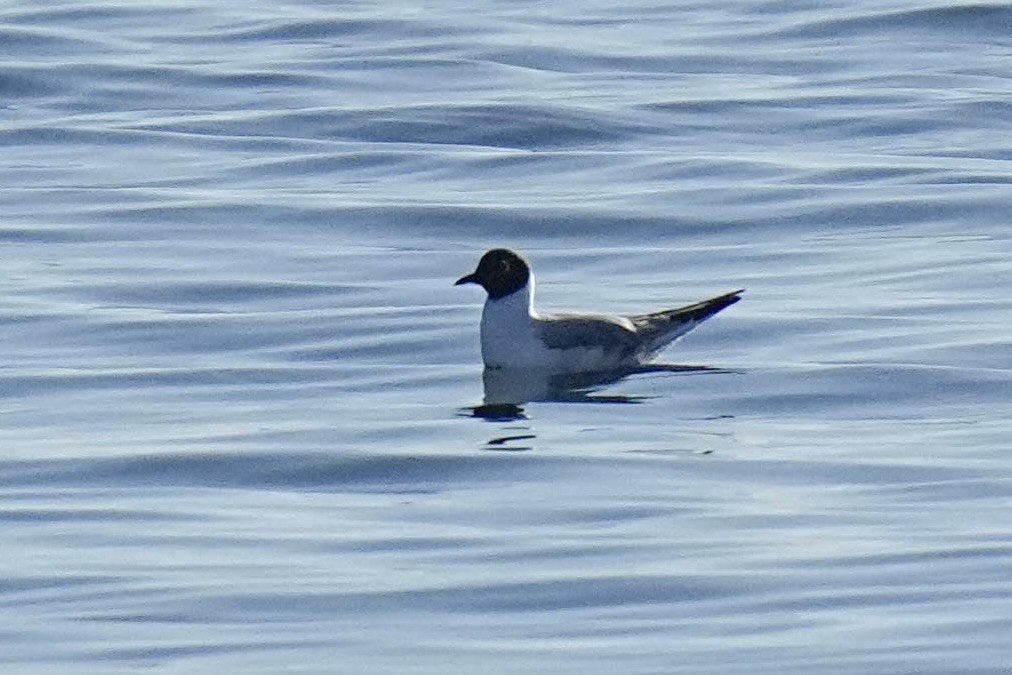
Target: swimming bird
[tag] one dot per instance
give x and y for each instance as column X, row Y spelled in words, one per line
column 514, row 335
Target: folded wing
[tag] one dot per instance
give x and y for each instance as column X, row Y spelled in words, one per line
column 658, row 329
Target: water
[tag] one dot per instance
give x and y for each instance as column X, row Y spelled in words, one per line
column 238, row 392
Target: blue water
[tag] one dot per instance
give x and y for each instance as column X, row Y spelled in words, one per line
column 241, row 422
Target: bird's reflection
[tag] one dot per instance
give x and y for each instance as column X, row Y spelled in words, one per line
column 507, row 390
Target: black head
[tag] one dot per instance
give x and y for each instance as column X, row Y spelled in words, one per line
column 500, row 272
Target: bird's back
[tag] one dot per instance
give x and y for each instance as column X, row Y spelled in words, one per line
column 598, row 342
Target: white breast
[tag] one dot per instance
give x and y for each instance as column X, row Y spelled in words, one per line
column 509, row 335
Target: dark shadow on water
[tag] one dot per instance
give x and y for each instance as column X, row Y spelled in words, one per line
column 507, row 390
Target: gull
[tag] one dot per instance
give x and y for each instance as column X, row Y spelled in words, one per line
column 514, row 335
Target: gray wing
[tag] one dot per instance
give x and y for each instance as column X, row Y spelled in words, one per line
column 660, row 328
column 566, row 331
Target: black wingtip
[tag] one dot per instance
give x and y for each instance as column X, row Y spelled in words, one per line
column 707, row 308
column 722, row 301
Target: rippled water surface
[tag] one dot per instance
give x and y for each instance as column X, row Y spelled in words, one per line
column 241, row 404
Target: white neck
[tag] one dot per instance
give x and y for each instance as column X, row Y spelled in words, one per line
column 508, row 328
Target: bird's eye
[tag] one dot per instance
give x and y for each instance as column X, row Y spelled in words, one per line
column 504, row 267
